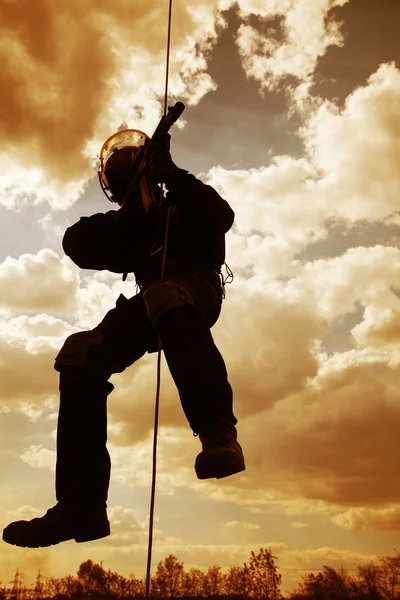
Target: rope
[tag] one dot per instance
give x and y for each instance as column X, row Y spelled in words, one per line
column 168, row 52
column 157, row 403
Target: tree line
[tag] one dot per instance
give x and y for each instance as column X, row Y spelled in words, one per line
column 258, row 579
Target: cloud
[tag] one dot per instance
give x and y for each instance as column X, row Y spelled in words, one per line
column 314, row 559
column 336, row 440
column 253, row 526
column 95, row 298
column 133, row 400
column 278, row 208
column 349, row 176
column 334, row 416
column 380, row 325
column 232, row 523
column 339, row 285
column 315, row 424
column 125, row 527
column 39, row 457
column 292, row 390
column 268, row 344
column 36, row 283
column 299, row 525
column 75, row 73
column 28, row 346
column 277, row 214
column 45, row 411
column 60, row 108
column 349, row 450
column 296, row 507
column 294, row 36
column 177, row 450
column 25, row 512
column 384, row 519
column 356, row 149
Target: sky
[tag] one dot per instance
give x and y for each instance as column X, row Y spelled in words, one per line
column 293, row 115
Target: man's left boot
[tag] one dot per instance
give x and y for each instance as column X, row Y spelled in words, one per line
column 221, row 455
column 61, row 523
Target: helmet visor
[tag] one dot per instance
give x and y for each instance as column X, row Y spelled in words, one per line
column 121, row 139
column 126, row 138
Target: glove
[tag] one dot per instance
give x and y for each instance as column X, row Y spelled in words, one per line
column 162, row 167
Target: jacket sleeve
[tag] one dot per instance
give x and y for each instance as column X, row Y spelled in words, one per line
column 199, row 202
column 105, row 241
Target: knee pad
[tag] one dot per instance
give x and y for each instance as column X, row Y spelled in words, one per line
column 163, row 296
column 84, row 350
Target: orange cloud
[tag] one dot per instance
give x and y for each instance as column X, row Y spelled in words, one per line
column 38, row 283
column 74, row 73
column 291, row 48
column 385, row 519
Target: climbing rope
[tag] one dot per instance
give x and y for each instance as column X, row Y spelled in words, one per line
column 157, row 403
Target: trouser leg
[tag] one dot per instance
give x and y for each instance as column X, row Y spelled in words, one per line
column 85, row 363
column 83, row 463
column 197, row 367
column 182, row 312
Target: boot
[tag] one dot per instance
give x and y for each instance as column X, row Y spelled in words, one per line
column 221, row 455
column 60, row 523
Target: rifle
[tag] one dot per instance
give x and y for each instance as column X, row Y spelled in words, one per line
column 141, row 164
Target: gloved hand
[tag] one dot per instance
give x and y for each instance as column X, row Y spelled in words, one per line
column 162, row 166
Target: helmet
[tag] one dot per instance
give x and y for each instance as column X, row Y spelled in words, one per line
column 117, row 157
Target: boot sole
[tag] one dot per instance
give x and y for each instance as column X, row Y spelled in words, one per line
column 89, row 536
column 85, row 536
column 211, row 472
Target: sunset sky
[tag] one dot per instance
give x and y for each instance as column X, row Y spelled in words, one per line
column 293, row 115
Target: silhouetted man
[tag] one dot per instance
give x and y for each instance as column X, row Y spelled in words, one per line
column 180, row 309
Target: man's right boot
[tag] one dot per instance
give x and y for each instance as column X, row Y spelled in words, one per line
column 222, row 454
column 60, row 523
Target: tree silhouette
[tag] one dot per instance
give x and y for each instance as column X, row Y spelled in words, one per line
column 389, row 577
column 238, row 582
column 63, row 587
column 213, row 581
column 327, row 585
column 136, row 587
column 264, row 578
column 193, row 583
column 92, row 577
column 368, row 581
column 258, row 580
column 168, row 580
